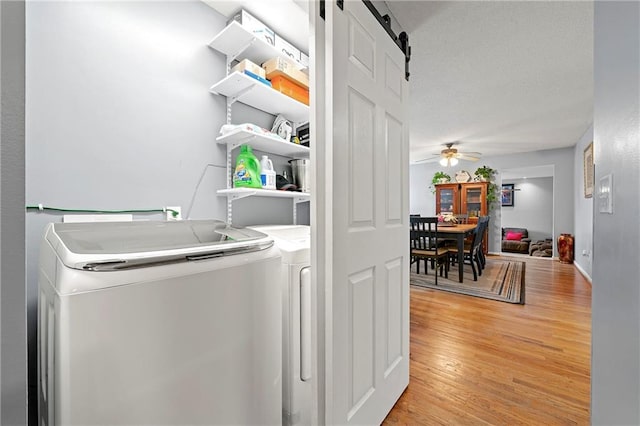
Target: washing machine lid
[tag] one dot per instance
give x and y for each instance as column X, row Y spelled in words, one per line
column 101, row 246
column 294, row 241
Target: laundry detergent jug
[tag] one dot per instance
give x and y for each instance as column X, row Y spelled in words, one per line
column 247, row 172
column 267, row 174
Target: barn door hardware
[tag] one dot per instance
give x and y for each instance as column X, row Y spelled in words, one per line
column 402, row 41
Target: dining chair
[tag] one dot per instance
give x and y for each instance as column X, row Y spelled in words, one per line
column 424, row 246
column 484, row 222
column 470, row 252
column 462, row 218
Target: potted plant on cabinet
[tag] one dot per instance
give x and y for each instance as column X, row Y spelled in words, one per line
column 486, row 174
column 439, row 177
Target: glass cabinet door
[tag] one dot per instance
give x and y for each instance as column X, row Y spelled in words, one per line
column 473, row 197
column 446, row 200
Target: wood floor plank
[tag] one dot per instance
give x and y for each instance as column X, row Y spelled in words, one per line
column 476, row 361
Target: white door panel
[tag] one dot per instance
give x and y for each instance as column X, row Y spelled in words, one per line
column 363, row 245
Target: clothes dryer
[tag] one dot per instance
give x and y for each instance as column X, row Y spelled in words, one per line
column 166, row 323
column 299, row 386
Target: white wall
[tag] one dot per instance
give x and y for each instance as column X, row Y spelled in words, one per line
column 583, row 209
column 532, row 207
column 423, row 201
column 13, row 350
column 615, row 366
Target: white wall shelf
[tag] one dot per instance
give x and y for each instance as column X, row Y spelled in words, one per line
column 240, row 87
column 265, row 143
column 235, row 41
column 237, row 193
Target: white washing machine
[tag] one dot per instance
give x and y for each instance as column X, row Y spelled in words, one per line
column 168, row 323
column 298, row 384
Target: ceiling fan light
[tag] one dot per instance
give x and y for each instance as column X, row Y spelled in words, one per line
column 453, row 161
column 443, row 162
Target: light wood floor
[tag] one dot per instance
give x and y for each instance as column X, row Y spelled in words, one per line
column 476, row 361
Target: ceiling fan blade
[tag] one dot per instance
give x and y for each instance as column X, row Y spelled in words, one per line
column 427, row 160
column 467, row 157
column 472, row 154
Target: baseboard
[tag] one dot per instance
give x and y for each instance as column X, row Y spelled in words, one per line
column 523, row 256
column 583, row 272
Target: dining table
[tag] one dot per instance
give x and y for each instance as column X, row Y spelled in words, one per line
column 457, row 232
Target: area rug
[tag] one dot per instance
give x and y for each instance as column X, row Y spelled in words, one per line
column 501, row 280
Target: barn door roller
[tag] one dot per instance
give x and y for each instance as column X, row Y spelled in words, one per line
column 401, row 40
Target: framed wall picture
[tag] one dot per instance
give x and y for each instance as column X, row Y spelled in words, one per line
column 507, row 194
column 588, row 171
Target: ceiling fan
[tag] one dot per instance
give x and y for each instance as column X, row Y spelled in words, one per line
column 450, row 156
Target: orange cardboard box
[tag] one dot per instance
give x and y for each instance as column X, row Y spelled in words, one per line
column 282, row 67
column 283, row 85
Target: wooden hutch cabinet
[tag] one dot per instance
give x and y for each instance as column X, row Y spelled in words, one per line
column 464, row 198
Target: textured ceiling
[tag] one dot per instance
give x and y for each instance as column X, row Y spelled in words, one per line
column 500, row 77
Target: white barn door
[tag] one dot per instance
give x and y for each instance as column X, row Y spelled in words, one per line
column 362, row 238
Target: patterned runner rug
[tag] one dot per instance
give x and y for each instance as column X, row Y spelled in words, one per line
column 501, row 280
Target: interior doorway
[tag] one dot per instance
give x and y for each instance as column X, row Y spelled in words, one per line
column 527, row 211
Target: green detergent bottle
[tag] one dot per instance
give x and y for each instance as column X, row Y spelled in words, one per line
column 247, row 173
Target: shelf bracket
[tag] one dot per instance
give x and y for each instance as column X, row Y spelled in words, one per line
column 233, row 99
column 234, row 197
column 233, row 57
column 242, row 141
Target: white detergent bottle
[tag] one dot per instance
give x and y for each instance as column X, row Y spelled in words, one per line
column 267, row 174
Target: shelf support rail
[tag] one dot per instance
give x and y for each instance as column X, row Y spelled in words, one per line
column 229, row 175
column 229, row 149
column 229, row 168
column 295, row 211
column 228, row 111
column 229, row 211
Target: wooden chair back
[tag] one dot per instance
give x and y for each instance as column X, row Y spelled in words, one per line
column 423, row 233
column 424, row 245
column 483, row 224
column 462, row 218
